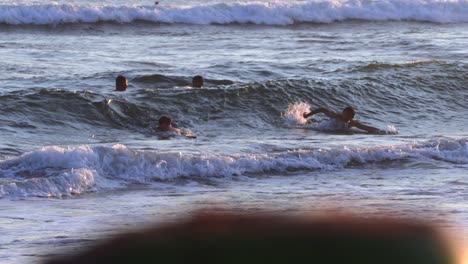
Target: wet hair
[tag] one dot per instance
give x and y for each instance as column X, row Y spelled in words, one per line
column 120, row 80
column 350, row 110
column 164, row 120
column 197, row 79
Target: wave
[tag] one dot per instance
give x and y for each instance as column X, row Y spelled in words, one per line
column 48, row 108
column 57, row 171
column 322, row 11
column 409, row 64
column 381, row 99
column 174, row 81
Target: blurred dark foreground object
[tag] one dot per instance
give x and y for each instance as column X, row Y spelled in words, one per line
column 217, row 238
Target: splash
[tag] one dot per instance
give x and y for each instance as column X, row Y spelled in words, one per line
column 293, row 116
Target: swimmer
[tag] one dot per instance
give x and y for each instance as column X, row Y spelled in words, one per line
column 166, row 130
column 165, row 125
column 121, row 83
column 345, row 119
column 197, row 81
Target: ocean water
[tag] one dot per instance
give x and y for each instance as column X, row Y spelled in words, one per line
column 79, row 162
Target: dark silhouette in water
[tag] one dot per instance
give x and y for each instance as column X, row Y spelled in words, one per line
column 197, row 81
column 165, row 125
column 121, row 83
column 221, row 238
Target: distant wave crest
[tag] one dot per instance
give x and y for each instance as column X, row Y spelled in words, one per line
column 322, row 11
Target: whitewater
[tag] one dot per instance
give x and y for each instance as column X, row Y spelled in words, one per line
column 80, row 162
column 263, row 13
column 84, row 169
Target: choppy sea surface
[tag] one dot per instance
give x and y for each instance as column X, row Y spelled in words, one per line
column 79, row 162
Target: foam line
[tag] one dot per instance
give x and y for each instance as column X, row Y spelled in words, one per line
column 322, row 11
column 58, row 171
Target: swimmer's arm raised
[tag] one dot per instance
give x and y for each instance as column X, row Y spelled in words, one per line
column 323, row 111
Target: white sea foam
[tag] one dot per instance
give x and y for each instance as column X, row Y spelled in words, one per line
column 277, row 13
column 293, row 116
column 57, row 171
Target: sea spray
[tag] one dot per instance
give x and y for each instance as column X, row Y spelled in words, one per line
column 293, row 116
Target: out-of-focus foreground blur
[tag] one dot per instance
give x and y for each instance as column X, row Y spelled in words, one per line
column 231, row 238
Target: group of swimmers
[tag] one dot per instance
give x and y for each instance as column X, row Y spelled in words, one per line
column 343, row 121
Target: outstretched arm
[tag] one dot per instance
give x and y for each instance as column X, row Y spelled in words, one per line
column 321, row 110
column 364, row 127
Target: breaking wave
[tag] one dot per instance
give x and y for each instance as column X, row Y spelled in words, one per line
column 322, row 11
column 57, row 171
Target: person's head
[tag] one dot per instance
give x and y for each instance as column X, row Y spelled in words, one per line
column 121, row 83
column 348, row 113
column 197, row 81
column 165, row 123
